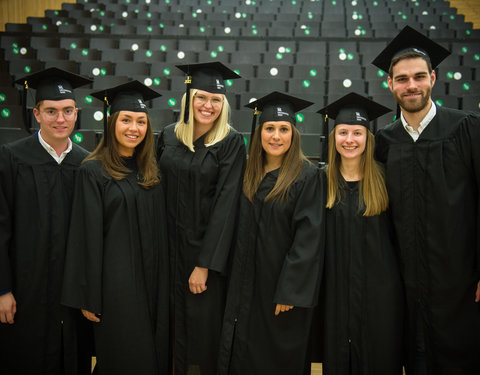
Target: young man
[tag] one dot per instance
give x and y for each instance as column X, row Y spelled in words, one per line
column 432, row 161
column 37, row 334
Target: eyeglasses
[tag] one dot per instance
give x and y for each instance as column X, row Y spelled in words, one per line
column 203, row 100
column 52, row 114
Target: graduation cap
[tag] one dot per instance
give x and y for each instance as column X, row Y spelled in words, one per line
column 130, row 96
column 276, row 106
column 50, row 84
column 354, row 109
column 410, row 40
column 208, row 77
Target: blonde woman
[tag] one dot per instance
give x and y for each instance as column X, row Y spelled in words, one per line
column 202, row 160
column 278, row 255
column 363, row 301
column 116, row 268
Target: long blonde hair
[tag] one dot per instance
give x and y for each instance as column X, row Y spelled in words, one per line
column 291, row 167
column 373, row 192
column 113, row 162
column 218, row 132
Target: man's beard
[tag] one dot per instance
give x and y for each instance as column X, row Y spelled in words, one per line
column 416, row 105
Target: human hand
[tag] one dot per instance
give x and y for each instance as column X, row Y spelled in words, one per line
column 90, row 316
column 198, row 280
column 477, row 293
column 8, row 308
column 282, row 308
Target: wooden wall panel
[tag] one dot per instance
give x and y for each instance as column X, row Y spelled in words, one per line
column 17, row 11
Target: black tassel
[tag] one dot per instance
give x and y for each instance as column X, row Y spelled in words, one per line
column 26, row 117
column 252, row 131
column 324, row 141
column 105, row 105
column 188, row 82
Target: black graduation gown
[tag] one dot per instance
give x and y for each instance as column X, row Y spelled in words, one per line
column 117, row 266
column 35, row 205
column 434, row 197
column 202, row 190
column 278, row 259
column 363, row 299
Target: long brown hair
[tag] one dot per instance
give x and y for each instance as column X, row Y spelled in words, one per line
column 113, row 163
column 289, row 170
column 373, row 192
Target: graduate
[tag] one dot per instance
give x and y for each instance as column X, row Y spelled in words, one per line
column 37, row 334
column 363, row 301
column 278, row 257
column 202, row 160
column 432, row 162
column 116, row 269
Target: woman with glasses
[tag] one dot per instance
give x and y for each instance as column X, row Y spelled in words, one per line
column 116, row 268
column 201, row 159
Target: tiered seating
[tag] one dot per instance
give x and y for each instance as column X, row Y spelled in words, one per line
column 318, row 50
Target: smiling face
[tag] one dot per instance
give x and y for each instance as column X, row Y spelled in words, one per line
column 56, row 118
column 206, row 107
column 130, row 130
column 276, row 138
column 411, row 84
column 350, row 141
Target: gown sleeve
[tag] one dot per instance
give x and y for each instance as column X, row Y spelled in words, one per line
column 6, row 217
column 218, row 235
column 299, row 280
column 83, row 262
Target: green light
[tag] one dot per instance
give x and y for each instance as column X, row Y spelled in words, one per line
column 84, row 52
column 88, row 99
column 385, row 84
column 202, row 29
column 15, row 51
column 279, row 56
column 56, row 12
column 341, row 50
column 44, row 27
column 450, row 75
column 244, row 15
column 237, row 71
column 313, row 73
column 163, row 48
column 375, row 3
column 466, row 86
column 254, row 26
column 77, row 138
column 310, row 16
column 350, row 56
column 27, row 69
column 300, row 117
column 102, row 13
column 476, row 57
column 73, row 45
column 209, row 2
column 464, row 49
column 334, row 2
column 148, row 53
column 3, row 97
column 172, row 102
column 360, row 17
column 306, row 32
column 5, row 113
column 103, row 72
column 166, row 71
column 213, row 54
column 15, row 45
column 306, row 83
column 149, row 29
column 380, row 73
column 364, row 32
column 101, row 28
column 439, row 102
column 157, row 81
column 452, row 17
column 468, row 32
column 294, row 2
column 404, row 17
column 194, row 15
column 288, row 50
column 229, row 82
column 220, row 48
column 245, row 140
column 149, row 15
column 254, row 31
column 167, row 1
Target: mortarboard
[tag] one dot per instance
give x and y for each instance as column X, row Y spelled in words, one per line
column 276, row 106
column 410, row 39
column 208, row 77
column 354, row 109
column 130, row 96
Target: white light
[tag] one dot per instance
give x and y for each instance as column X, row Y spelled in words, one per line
column 148, row 82
column 252, row 100
column 134, row 47
column 125, row 14
column 273, row 71
column 147, row 1
column 358, row 32
column 227, row 30
column 354, row 3
column 248, row 2
column 181, row 54
column 93, row 28
column 23, row 50
column 433, row 27
column 199, row 11
column 58, row 23
column 98, row 115
column 342, row 56
column 424, row 13
column 238, row 15
column 457, row 75
column 95, row 71
column 181, row 25
column 347, row 83
column 303, row 27
column 355, row 16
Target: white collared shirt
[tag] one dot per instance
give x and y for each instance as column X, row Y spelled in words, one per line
column 423, row 124
column 52, row 151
